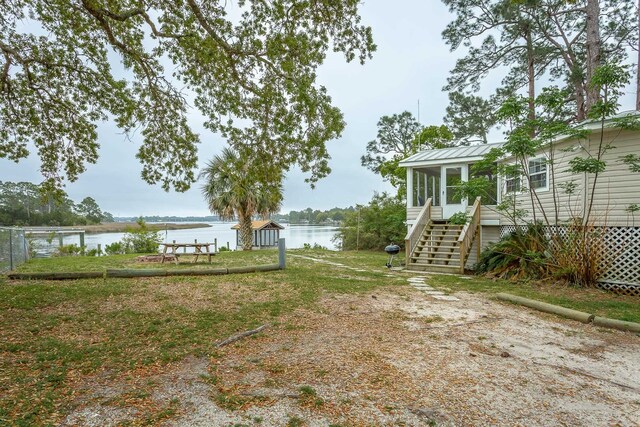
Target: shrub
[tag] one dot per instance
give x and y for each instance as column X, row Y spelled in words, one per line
column 224, row 249
column 114, row 248
column 582, row 257
column 520, row 255
column 69, row 250
column 459, row 218
column 141, row 240
column 374, row 226
column 93, row 252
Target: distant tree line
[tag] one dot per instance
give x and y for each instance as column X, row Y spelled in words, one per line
column 25, row 203
column 333, row 216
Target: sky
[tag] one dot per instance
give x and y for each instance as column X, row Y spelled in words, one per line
column 409, row 69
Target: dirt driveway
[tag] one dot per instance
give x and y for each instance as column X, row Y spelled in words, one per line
column 404, row 357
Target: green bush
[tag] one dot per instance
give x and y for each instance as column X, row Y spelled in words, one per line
column 459, row 218
column 69, row 250
column 519, row 255
column 141, row 240
column 93, row 252
column 115, row 248
column 374, row 226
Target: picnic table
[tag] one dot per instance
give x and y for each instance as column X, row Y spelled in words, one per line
column 198, row 250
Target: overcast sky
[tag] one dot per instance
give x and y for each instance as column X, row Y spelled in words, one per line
column 411, row 64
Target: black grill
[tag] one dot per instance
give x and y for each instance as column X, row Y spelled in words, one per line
column 392, row 250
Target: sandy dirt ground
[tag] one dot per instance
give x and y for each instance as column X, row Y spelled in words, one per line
column 400, row 357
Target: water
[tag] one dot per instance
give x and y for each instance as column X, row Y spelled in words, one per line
column 296, row 236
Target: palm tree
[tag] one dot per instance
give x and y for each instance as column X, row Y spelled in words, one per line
column 233, row 191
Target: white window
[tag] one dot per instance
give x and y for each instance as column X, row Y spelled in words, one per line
column 538, row 174
column 513, row 184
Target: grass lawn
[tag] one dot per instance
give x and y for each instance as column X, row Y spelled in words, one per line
column 54, row 333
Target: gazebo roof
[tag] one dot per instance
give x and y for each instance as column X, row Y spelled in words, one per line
column 259, row 225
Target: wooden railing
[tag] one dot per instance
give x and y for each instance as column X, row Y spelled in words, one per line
column 411, row 240
column 469, row 231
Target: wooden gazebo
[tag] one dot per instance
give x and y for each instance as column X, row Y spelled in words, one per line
column 265, row 234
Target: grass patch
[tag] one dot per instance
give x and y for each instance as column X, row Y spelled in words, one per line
column 53, row 334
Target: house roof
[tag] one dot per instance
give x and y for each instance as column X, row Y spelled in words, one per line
column 468, row 152
column 259, row 225
column 476, row 152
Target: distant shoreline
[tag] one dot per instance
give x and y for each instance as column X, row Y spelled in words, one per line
column 122, row 227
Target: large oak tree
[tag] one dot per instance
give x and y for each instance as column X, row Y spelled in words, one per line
column 248, row 66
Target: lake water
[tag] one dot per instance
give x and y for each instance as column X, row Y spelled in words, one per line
column 296, row 236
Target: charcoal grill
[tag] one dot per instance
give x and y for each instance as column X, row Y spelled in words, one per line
column 392, row 250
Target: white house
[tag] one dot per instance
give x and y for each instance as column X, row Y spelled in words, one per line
column 434, row 244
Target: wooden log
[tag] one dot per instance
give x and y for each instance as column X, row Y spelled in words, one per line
column 616, row 324
column 236, row 337
column 235, row 270
column 56, row 276
column 130, row 273
column 547, row 308
column 268, row 267
column 202, row 272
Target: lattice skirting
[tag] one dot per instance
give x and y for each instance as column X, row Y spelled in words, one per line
column 623, row 275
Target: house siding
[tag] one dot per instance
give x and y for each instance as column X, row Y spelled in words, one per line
column 617, row 187
column 615, row 190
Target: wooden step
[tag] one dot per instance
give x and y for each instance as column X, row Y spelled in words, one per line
column 419, row 246
column 434, row 268
column 438, row 239
column 437, row 255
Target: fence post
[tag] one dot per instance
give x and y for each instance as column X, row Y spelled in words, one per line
column 10, row 249
column 281, row 253
column 27, row 255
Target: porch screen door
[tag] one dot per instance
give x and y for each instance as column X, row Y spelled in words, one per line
column 451, row 178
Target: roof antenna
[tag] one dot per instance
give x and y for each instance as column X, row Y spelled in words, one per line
column 418, row 110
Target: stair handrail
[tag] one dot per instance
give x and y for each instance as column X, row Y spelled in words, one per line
column 469, row 231
column 414, row 234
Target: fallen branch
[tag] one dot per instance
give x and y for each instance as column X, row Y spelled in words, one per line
column 236, row 337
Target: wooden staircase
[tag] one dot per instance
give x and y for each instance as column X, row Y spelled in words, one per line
column 438, row 249
column 437, row 245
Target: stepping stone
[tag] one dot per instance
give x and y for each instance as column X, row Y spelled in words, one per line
column 445, row 297
column 416, row 281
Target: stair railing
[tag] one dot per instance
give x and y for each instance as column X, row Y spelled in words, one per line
column 469, row 231
column 414, row 234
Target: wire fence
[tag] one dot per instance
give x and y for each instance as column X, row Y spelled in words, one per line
column 14, row 248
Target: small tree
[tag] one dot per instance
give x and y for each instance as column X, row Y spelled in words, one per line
column 141, row 240
column 374, row 226
column 237, row 186
column 580, row 256
column 400, row 136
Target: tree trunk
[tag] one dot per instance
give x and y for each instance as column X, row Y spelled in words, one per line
column 594, row 50
column 531, row 75
column 638, row 64
column 246, row 232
